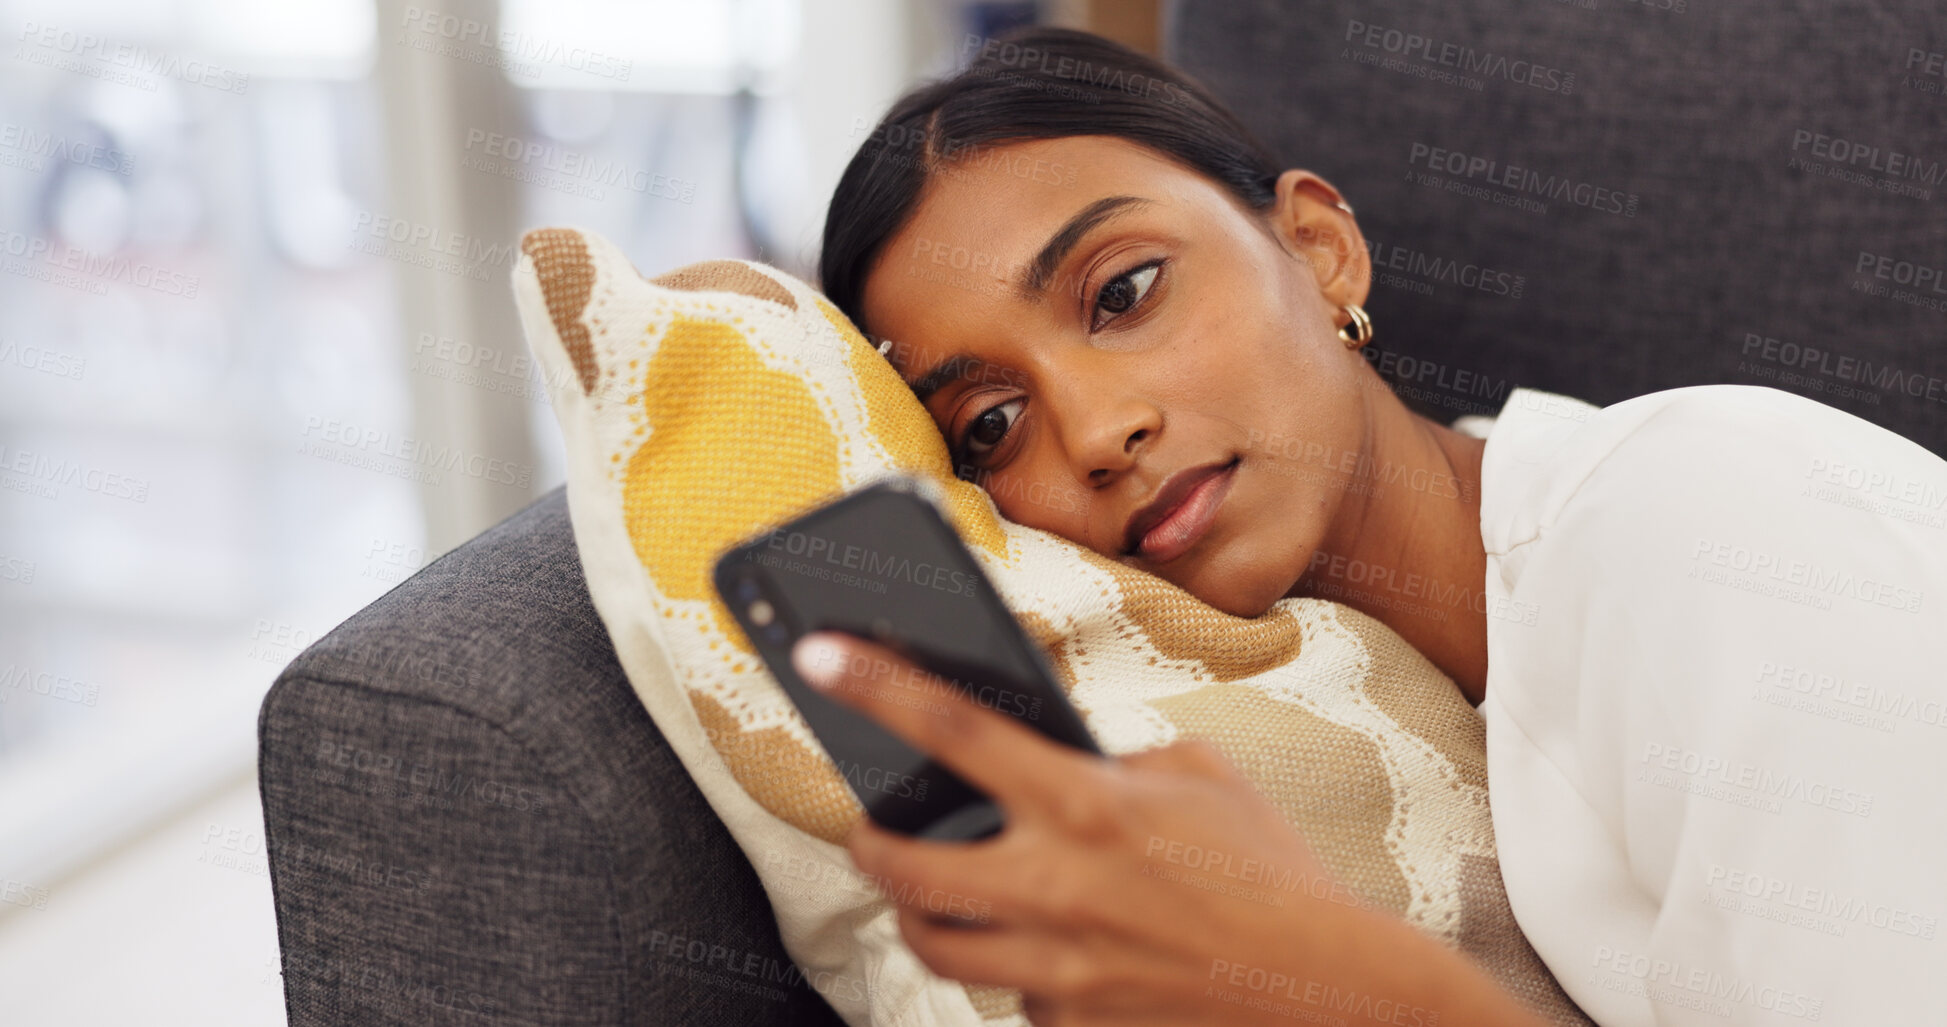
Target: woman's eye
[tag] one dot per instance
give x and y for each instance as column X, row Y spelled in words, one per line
column 1122, row 293
column 989, row 427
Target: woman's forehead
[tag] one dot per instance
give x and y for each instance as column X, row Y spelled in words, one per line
column 973, row 236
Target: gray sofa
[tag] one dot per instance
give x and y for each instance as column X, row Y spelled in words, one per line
column 469, row 812
column 471, row 819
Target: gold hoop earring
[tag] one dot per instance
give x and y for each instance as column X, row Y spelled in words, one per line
column 1361, row 326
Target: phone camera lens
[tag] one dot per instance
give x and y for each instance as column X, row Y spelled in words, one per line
column 746, row 589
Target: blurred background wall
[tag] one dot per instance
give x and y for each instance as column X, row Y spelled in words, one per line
column 259, row 363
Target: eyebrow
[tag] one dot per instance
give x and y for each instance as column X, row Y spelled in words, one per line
column 1034, row 279
column 945, row 371
column 1068, row 236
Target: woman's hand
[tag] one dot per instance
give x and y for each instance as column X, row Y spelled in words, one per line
column 1153, row 888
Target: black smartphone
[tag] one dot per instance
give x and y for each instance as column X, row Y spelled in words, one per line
column 883, row 563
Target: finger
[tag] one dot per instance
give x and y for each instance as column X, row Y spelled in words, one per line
column 1060, row 969
column 1011, row 762
column 1041, row 1012
column 1029, row 959
column 974, row 884
column 1032, row 875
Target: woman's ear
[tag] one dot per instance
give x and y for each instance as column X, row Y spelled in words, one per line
column 1315, row 223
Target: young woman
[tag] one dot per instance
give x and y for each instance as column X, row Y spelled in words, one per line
column 1102, row 289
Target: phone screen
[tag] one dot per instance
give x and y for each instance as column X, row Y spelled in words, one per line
column 882, row 563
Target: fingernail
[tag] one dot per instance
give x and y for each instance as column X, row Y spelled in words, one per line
column 818, row 660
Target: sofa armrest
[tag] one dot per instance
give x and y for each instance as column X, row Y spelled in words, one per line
column 469, row 814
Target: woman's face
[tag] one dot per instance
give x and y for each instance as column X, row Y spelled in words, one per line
column 1119, row 320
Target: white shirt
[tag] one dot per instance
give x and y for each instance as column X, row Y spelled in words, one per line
column 1716, row 713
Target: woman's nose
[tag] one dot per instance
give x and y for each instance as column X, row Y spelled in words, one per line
column 1109, row 437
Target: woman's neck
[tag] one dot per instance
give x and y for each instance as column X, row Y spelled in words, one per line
column 1406, row 548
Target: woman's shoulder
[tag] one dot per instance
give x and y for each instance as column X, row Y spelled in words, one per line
column 1718, row 608
column 1701, row 452
column 1687, row 538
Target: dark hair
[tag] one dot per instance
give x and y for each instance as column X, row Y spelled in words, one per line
column 1036, row 83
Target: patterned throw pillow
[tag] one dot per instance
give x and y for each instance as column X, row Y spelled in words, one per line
column 706, row 404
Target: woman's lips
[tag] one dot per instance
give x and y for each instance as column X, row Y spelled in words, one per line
column 1183, row 526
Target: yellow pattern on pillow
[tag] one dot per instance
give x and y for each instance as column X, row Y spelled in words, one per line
column 704, row 405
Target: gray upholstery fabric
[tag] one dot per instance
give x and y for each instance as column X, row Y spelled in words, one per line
column 1701, row 110
column 469, row 812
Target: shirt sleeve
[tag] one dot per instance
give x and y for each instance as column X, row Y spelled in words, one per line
column 1717, row 740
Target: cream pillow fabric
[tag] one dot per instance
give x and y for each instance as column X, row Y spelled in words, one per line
column 706, row 404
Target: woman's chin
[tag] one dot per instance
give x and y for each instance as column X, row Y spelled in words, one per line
column 1246, row 601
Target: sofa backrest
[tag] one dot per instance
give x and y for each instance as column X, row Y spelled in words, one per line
column 1610, row 197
